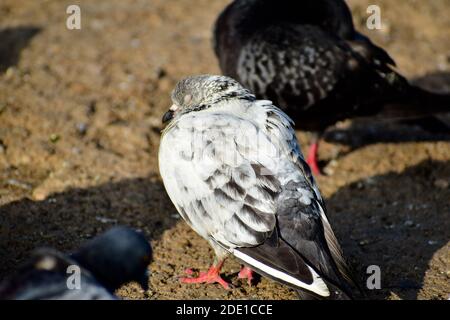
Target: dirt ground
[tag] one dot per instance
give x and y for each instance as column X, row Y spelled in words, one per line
column 80, row 118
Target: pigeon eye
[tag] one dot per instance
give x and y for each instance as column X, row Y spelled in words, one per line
column 187, row 98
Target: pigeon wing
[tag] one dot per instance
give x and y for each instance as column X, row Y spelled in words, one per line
column 218, row 181
column 303, row 226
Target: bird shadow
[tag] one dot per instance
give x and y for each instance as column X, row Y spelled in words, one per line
column 395, row 221
column 64, row 220
column 362, row 132
column 398, row 222
column 12, row 42
column 437, row 81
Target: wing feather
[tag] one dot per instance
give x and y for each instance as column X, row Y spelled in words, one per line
column 215, row 179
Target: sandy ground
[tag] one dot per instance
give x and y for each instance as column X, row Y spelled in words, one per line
column 80, row 118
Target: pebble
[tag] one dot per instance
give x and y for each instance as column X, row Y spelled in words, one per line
column 54, row 137
column 370, row 181
column 364, row 242
column 409, row 223
column 18, row 184
column 105, row 220
column 39, row 194
column 441, row 183
column 82, row 128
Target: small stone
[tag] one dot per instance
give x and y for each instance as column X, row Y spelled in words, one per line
column 370, row 181
column 409, row 223
column 364, row 242
column 82, row 128
column 18, row 184
column 39, row 194
column 54, row 137
column 10, row 72
column 105, row 220
column 441, row 183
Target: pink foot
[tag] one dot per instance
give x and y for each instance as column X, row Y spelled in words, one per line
column 246, row 273
column 211, row 276
column 189, row 271
column 312, row 159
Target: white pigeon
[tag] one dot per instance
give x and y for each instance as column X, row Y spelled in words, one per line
column 233, row 168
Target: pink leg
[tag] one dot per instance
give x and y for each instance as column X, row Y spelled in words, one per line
column 211, row 276
column 311, row 160
column 246, row 273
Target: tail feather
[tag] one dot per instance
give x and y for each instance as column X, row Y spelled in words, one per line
column 338, row 256
column 285, row 265
column 335, row 294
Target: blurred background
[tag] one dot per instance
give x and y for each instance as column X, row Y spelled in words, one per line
column 80, row 121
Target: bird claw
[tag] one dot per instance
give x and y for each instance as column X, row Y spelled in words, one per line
column 246, row 273
column 189, row 271
column 211, row 276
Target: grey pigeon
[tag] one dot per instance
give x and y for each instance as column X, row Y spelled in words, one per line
column 116, row 257
column 307, row 57
column 233, row 168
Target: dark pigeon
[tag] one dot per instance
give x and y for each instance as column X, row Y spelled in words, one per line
column 116, row 257
column 307, row 57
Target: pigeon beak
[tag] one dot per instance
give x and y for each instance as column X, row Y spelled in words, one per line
column 170, row 114
column 143, row 282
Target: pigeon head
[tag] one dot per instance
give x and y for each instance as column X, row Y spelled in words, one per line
column 116, row 257
column 200, row 92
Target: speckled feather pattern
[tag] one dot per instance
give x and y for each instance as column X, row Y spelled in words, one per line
column 307, row 57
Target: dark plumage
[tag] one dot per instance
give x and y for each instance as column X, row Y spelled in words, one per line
column 307, row 57
column 114, row 258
